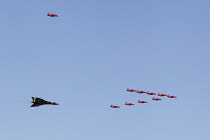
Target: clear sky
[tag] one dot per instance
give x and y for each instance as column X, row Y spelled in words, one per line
column 86, row 58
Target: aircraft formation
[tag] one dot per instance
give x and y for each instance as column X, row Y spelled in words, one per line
column 38, row 101
column 146, row 92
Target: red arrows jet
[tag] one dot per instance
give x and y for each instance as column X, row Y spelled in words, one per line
column 138, row 91
column 130, row 90
column 161, row 94
column 128, row 103
column 114, row 106
column 156, row 99
column 141, row 101
column 52, row 15
column 169, row 96
column 150, row 93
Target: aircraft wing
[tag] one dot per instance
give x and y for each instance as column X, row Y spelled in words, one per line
column 35, row 105
column 39, row 100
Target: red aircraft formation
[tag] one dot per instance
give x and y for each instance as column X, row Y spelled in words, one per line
column 131, row 90
column 52, row 15
column 149, row 93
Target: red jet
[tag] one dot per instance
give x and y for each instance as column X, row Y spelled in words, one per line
column 141, row 101
column 169, row 96
column 114, row 106
column 138, row 91
column 156, row 99
column 150, row 93
column 52, row 15
column 128, row 103
column 130, row 90
column 161, row 94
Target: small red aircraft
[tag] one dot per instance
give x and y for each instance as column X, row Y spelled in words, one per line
column 138, row 91
column 130, row 90
column 141, row 101
column 114, row 106
column 128, row 103
column 169, row 96
column 52, row 15
column 150, row 93
column 161, row 94
column 156, row 99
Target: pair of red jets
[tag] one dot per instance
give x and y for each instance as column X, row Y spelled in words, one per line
column 149, row 93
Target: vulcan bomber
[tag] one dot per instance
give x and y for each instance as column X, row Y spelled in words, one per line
column 38, row 101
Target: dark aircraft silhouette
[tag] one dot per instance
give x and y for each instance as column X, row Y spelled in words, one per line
column 38, row 101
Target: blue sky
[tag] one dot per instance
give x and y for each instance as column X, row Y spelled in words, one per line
column 85, row 60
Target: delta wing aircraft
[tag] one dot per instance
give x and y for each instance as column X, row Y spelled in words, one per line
column 38, row 101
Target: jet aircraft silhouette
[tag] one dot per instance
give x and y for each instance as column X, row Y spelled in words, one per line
column 38, row 101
